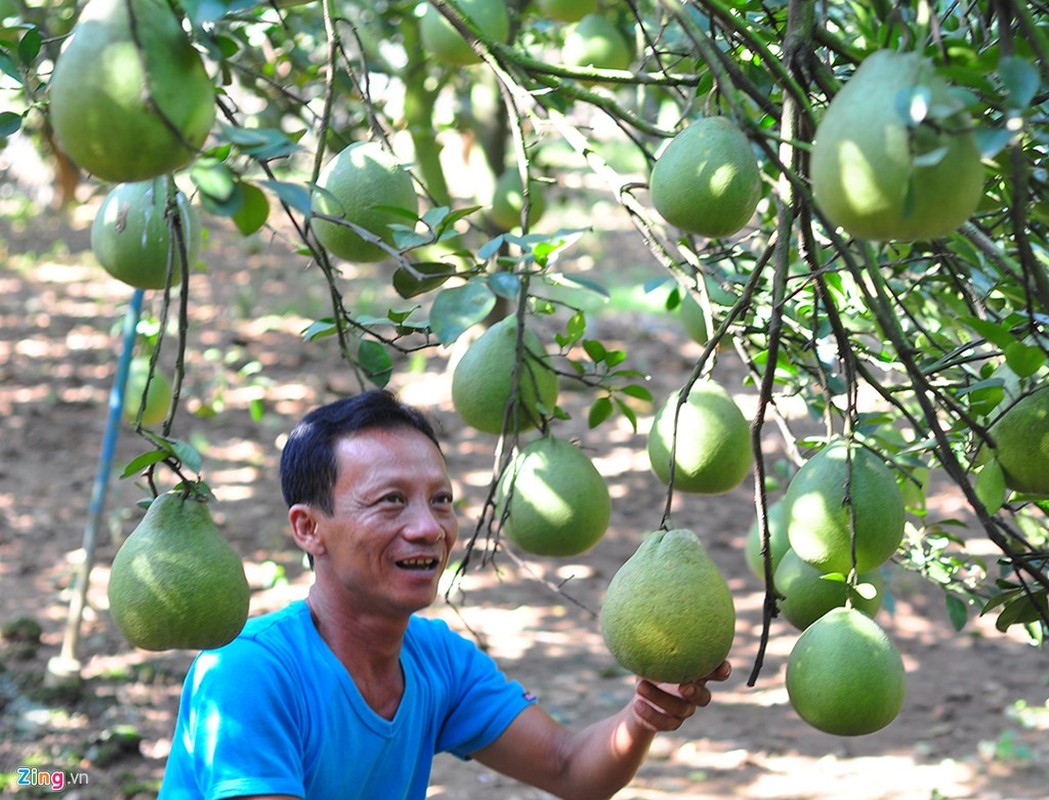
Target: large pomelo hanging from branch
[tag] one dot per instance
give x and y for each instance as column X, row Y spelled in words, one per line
column 895, row 156
column 130, row 102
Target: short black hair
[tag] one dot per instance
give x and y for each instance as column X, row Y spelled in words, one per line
column 308, row 465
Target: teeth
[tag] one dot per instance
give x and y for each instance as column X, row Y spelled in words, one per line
column 418, row 563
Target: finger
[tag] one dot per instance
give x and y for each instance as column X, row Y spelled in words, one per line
column 653, row 717
column 674, row 703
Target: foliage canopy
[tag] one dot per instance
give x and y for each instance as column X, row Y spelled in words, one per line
column 912, row 349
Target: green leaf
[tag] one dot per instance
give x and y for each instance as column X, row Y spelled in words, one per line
column 254, row 211
column 261, row 143
column 294, row 195
column 996, row 334
column 458, row 308
column 186, row 453
column 627, row 412
column 638, row 391
column 958, row 611
column 202, row 11
column 375, row 361
column 505, row 284
column 1020, row 81
column 319, row 329
column 142, row 462
column 491, row 248
column 992, row 141
column 990, row 486
column 10, row 68
column 421, row 278
column 1022, row 609
column 1024, row 359
column 599, row 411
column 214, row 179
column 10, row 122
column 594, row 349
column 29, row 46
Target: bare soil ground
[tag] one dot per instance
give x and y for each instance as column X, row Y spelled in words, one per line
column 974, row 724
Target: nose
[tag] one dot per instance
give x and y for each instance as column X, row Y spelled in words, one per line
column 428, row 525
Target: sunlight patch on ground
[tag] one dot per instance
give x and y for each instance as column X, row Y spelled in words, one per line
column 865, row 778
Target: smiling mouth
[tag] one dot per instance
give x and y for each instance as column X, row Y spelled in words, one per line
column 418, row 564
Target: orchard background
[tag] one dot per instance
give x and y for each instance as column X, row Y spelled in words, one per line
column 912, row 347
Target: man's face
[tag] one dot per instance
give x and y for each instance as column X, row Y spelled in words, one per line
column 393, row 527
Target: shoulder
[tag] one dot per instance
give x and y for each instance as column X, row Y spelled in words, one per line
column 441, row 651
column 435, row 637
column 278, row 638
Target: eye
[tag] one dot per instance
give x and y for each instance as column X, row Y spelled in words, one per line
column 443, row 499
column 395, row 498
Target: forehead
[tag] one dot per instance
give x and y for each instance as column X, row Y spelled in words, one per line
column 379, row 452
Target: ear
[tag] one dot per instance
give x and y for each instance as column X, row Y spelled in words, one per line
column 304, row 529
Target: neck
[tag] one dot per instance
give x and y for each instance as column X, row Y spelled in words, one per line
column 368, row 645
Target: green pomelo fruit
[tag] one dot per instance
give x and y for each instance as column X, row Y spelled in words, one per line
column 131, row 234
column 668, row 614
column 567, row 10
column 595, row 41
column 482, row 382
column 827, row 498
column 130, row 105
column 713, row 453
column 362, row 184
column 707, row 180
column 508, row 201
column 1021, row 437
column 158, row 396
column 778, row 543
column 448, row 46
column 845, row 676
column 693, row 321
column 176, row 582
column 557, row 502
column 807, row 595
column 880, row 177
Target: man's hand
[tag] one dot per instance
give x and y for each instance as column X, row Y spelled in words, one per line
column 663, row 707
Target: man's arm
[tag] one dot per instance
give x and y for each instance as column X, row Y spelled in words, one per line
column 599, row 760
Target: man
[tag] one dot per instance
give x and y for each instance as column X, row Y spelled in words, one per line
column 349, row 694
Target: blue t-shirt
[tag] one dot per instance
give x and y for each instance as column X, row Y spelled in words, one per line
column 275, row 712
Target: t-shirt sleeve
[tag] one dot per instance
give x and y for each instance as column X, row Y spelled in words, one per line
column 242, row 728
column 482, row 703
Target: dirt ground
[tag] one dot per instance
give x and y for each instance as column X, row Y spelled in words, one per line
column 973, row 726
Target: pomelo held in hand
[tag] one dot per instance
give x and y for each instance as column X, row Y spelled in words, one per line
column 128, row 105
column 880, row 173
column 713, row 452
column 131, row 234
column 706, row 180
column 828, row 497
column 448, row 46
column 365, row 185
column 557, row 502
column 668, row 614
column 176, row 582
column 1021, row 437
column 845, row 676
column 808, row 595
column 482, row 382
